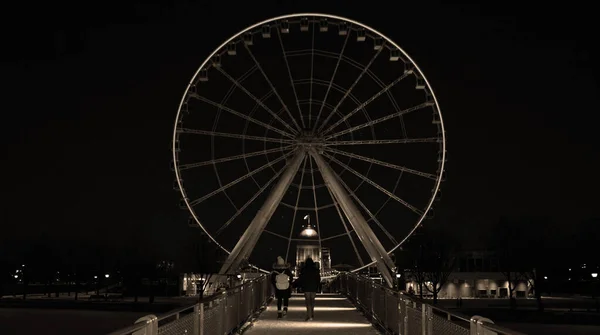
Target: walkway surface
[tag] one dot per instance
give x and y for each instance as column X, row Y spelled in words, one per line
column 332, row 313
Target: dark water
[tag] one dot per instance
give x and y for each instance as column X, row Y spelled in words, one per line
column 24, row 321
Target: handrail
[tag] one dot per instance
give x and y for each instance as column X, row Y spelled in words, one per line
column 366, row 294
column 152, row 322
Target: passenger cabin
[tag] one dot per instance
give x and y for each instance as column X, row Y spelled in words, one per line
column 231, row 49
column 266, row 31
column 203, row 75
column 176, row 185
column 216, row 61
column 284, row 27
column 323, row 25
column 377, row 43
column 394, row 55
column 343, row 29
column 361, row 35
column 420, row 85
column 248, row 39
column 304, row 24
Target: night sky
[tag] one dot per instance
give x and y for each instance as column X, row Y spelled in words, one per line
column 91, row 93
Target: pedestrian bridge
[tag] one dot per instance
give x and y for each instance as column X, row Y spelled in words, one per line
column 355, row 306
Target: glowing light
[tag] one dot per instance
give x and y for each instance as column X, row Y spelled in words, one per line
column 301, row 324
column 594, row 275
column 545, row 277
column 308, row 232
column 106, row 275
column 317, row 308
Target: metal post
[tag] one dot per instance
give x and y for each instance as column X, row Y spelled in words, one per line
column 151, row 327
column 201, row 319
column 423, row 319
column 365, row 234
column 429, row 320
column 196, row 320
column 406, row 321
column 400, row 317
column 250, row 237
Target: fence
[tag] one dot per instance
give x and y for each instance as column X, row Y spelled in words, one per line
column 397, row 313
column 222, row 313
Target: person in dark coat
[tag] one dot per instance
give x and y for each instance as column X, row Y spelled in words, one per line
column 309, row 280
column 281, row 278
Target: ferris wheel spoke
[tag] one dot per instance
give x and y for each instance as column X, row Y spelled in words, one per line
column 333, row 237
column 395, row 141
column 348, row 231
column 232, row 158
column 287, row 251
column 374, row 184
column 341, row 55
column 257, row 100
column 312, row 175
column 373, row 217
column 231, row 135
column 366, row 103
column 241, row 115
column 272, row 87
column 379, row 120
column 362, row 73
column 287, row 64
column 382, row 163
column 258, row 193
column 312, row 61
column 242, row 178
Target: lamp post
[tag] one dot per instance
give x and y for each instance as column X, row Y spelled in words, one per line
column 595, row 290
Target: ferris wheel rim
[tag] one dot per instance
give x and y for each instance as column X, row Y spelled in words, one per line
column 442, row 132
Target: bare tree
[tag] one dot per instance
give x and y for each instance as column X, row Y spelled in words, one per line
column 432, row 254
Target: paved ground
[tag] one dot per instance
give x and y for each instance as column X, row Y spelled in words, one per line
column 332, row 313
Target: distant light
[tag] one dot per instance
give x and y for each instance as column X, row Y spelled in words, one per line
column 23, row 265
column 239, row 276
column 545, row 277
column 398, row 275
column 594, row 275
column 107, row 275
column 569, row 269
column 95, row 277
column 569, row 278
column 16, row 276
column 306, row 217
column 308, row 232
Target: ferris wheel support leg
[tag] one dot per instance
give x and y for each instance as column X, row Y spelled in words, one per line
column 247, row 242
column 365, row 234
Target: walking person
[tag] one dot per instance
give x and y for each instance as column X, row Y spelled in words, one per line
column 281, row 278
column 309, row 280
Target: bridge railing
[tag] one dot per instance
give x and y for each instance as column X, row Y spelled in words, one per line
column 397, row 313
column 222, row 313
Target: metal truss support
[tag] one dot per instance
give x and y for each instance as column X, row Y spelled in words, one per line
column 367, row 237
column 247, row 242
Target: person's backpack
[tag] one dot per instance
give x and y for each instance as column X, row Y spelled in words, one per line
column 282, row 281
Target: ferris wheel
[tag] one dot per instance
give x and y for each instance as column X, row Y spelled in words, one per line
column 309, row 117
